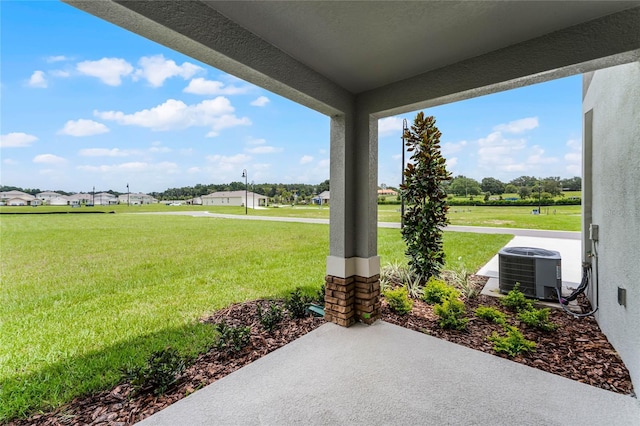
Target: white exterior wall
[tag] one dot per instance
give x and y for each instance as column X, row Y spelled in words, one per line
column 612, row 201
column 222, row 201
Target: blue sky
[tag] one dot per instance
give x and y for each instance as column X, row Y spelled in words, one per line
column 85, row 103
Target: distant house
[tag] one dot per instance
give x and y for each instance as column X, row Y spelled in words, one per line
column 136, row 199
column 197, row 201
column 387, row 193
column 80, row 198
column 47, row 196
column 104, row 199
column 60, row 200
column 235, row 198
column 322, row 198
column 18, row 198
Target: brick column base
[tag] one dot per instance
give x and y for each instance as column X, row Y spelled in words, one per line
column 368, row 299
column 349, row 299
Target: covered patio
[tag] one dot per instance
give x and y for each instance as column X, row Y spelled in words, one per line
column 384, row 374
column 357, row 62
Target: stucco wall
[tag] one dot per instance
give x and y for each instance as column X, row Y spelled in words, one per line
column 223, row 201
column 613, row 97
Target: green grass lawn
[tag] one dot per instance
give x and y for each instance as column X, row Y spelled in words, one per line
column 83, row 296
column 565, row 218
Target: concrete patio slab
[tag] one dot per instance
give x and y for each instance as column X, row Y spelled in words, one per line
column 388, row 375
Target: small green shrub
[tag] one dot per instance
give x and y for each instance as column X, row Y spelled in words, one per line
column 452, row 314
column 491, row 314
column 515, row 300
column 319, row 298
column 271, row 318
column 538, row 318
column 398, row 300
column 513, row 343
column 297, row 304
column 162, row 370
column 437, row 291
column 232, row 339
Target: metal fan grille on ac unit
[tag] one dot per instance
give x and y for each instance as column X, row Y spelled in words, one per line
column 519, row 270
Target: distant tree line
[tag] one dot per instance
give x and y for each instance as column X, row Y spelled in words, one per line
column 279, row 192
column 524, row 186
column 34, row 191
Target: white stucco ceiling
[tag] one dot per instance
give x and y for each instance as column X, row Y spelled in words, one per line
column 363, row 45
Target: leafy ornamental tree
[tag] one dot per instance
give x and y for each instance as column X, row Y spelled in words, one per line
column 425, row 196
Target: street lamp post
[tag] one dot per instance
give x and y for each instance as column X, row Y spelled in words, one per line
column 404, row 129
column 245, row 175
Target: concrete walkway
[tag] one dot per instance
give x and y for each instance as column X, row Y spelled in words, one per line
column 388, row 375
column 477, row 229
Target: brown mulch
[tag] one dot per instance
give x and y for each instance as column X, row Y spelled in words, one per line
column 578, row 350
column 121, row 406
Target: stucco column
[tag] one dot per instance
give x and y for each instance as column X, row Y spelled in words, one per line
column 353, row 266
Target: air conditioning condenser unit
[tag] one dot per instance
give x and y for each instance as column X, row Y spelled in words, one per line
column 538, row 271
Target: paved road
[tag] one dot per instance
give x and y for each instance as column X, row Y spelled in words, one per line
column 454, row 228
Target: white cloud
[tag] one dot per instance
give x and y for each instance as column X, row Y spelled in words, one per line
column 537, row 157
column 496, row 149
column 260, row 101
column 396, row 156
column 104, row 152
column 390, row 125
column 253, row 141
column 109, row 70
column 574, row 145
column 448, row 148
column 173, row 114
column 60, row 73
column 226, row 121
column 10, row 162
column 264, row 149
column 17, row 140
column 223, row 163
column 156, row 69
column 38, row 80
column 134, row 166
column 193, row 170
column 518, row 126
column 59, row 58
column 83, row 127
column 451, row 162
column 306, row 159
column 573, row 158
column 201, row 86
column 160, row 149
column 48, row 159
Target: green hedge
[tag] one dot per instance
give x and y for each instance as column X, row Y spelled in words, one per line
column 527, row 202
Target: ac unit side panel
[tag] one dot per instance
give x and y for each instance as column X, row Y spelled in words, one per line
column 548, row 278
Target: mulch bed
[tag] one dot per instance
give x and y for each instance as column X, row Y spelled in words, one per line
column 578, row 350
column 121, row 406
